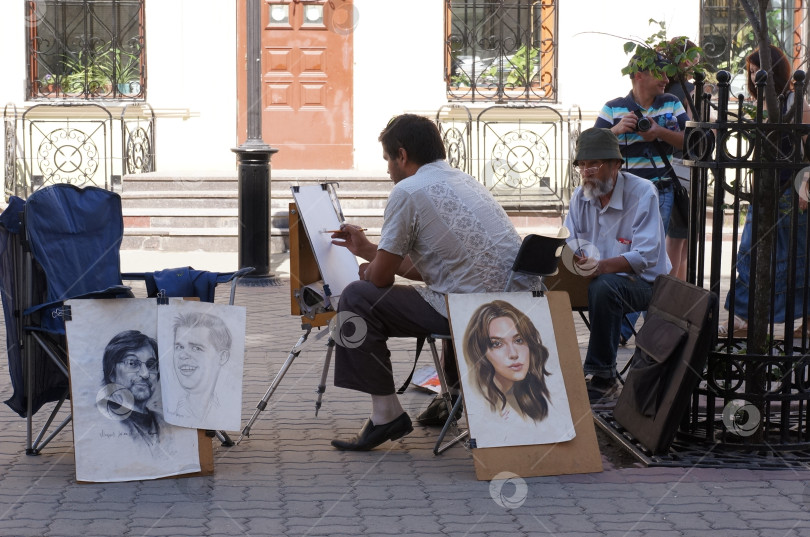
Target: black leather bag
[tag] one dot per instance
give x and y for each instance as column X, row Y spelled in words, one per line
column 681, row 203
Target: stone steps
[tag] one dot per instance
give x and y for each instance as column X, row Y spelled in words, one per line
column 174, row 212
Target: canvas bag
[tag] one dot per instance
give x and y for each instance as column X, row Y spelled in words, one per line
column 671, row 352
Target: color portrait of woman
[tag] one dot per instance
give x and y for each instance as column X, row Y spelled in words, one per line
column 507, row 360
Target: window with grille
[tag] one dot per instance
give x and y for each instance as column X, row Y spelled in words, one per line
column 85, row 49
column 727, row 36
column 501, row 50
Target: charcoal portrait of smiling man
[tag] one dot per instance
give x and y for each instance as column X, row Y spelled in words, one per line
column 202, row 345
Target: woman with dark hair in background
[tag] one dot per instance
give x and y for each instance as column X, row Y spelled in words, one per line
column 780, row 71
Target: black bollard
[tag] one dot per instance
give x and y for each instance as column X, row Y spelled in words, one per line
column 254, row 207
column 254, row 165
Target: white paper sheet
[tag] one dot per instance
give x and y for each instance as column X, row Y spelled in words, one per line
column 114, row 440
column 338, row 265
column 201, row 362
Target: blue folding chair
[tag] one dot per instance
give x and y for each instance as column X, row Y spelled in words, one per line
column 71, row 240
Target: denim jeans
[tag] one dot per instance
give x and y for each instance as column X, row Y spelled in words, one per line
column 666, row 199
column 610, row 296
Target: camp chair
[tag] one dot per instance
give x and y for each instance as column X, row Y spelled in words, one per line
column 538, row 256
column 71, row 238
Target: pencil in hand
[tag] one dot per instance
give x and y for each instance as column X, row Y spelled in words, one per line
column 340, row 230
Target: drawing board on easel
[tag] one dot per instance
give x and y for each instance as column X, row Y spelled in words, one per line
column 313, row 257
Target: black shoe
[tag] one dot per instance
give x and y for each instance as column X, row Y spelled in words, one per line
column 371, row 436
column 435, row 415
column 602, row 390
column 622, row 341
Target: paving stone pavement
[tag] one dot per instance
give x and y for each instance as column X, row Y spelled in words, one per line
column 287, row 480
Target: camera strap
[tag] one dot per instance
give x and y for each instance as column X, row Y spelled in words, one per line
column 668, row 169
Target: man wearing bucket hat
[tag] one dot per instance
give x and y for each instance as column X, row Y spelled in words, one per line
column 618, row 239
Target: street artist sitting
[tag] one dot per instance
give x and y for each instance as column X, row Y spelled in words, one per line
column 441, row 227
column 618, row 238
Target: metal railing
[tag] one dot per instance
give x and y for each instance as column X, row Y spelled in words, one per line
column 75, row 143
column 521, row 153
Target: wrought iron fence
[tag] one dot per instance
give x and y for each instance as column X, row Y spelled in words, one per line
column 74, row 143
column 756, row 388
column 521, row 153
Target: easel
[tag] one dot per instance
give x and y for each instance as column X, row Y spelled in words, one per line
column 303, row 271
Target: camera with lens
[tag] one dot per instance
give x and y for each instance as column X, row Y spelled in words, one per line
column 644, row 123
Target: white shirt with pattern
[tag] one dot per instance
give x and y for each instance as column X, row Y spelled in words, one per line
column 458, row 237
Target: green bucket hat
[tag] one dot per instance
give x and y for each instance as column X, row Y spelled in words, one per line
column 597, row 144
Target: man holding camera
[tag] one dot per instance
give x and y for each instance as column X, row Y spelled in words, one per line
column 649, row 124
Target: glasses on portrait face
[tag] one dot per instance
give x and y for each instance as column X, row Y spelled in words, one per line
column 133, row 364
column 593, row 170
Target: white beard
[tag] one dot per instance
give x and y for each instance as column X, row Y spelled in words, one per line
column 592, row 191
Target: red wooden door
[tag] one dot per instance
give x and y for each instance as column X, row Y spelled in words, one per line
column 307, row 83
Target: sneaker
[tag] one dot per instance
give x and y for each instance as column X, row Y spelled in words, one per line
column 435, row 415
column 602, row 390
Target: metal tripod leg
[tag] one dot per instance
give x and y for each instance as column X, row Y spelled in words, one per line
column 296, row 350
column 451, row 408
column 438, row 449
column 324, row 373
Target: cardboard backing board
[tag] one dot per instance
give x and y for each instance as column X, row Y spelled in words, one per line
column 576, row 285
column 577, row 456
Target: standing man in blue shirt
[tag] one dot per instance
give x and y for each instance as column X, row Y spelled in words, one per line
column 649, row 125
column 617, row 236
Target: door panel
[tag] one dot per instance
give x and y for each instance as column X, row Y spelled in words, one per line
column 307, row 94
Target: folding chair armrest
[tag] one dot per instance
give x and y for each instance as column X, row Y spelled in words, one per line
column 110, row 292
column 133, row 276
column 225, row 277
